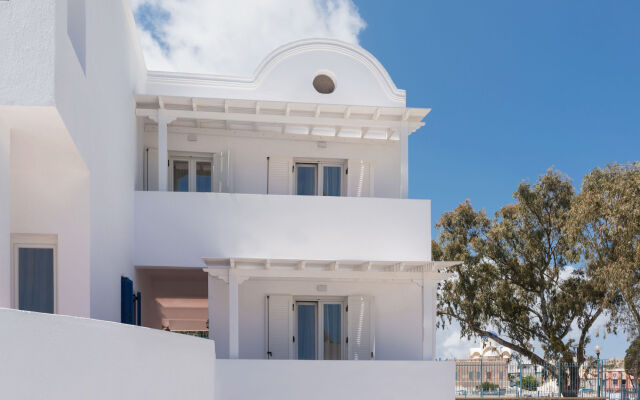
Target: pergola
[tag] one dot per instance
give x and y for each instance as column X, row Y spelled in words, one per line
column 301, row 121
column 235, row 271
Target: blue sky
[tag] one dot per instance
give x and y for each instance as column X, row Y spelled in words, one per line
column 516, row 87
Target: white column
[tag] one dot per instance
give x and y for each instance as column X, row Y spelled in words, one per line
column 211, row 301
column 234, row 342
column 429, row 298
column 5, row 217
column 163, row 156
column 404, row 160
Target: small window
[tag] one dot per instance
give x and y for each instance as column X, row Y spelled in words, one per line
column 489, row 374
column 34, row 272
column 190, row 172
column 324, row 84
column 320, row 178
column 470, row 376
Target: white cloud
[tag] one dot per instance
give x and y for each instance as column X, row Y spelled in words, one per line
column 231, row 37
column 450, row 345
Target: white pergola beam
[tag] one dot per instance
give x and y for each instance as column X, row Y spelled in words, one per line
column 278, row 119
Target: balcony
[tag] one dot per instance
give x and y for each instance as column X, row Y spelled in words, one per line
column 179, row 229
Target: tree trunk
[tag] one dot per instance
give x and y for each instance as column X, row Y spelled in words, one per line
column 569, row 384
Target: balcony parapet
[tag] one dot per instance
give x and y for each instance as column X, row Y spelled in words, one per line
column 178, row 229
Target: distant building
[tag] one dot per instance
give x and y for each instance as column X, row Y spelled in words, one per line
column 616, row 379
column 488, row 363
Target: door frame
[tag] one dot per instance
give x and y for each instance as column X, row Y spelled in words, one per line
column 319, row 302
column 32, row 241
column 191, row 159
column 319, row 165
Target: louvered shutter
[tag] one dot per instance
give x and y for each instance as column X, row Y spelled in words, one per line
column 150, row 177
column 218, row 181
column 222, row 174
column 279, row 327
column 360, row 178
column 361, row 345
column 280, row 176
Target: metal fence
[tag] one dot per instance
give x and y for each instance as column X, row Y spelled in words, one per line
column 501, row 378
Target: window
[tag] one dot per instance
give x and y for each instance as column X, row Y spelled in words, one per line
column 478, row 375
column 488, row 374
column 324, row 84
column 320, row 330
column 323, row 178
column 34, row 272
column 190, row 172
column 307, row 179
column 470, row 376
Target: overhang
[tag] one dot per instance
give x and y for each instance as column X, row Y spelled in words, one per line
column 191, row 115
column 352, row 270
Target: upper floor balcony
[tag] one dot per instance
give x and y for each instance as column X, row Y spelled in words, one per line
column 240, row 154
column 266, row 147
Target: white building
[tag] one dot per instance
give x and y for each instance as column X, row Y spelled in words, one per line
column 270, row 210
column 490, row 350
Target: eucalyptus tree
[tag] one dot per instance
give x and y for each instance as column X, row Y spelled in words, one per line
column 516, row 284
column 605, row 222
column 632, row 362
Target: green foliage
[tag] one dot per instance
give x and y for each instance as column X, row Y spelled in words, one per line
column 605, row 224
column 515, row 285
column 530, row 383
column 632, row 359
column 489, row 387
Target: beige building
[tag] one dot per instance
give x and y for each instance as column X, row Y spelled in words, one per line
column 488, row 363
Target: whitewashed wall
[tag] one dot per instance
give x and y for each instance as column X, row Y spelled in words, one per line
column 50, row 195
column 287, row 75
column 96, row 106
column 336, row 380
column 56, row 357
column 249, row 158
column 27, row 52
column 178, row 229
column 5, row 216
column 88, row 116
column 398, row 314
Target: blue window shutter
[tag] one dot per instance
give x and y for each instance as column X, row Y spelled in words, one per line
column 126, row 301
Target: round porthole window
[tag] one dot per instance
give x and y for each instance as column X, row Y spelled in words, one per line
column 324, row 84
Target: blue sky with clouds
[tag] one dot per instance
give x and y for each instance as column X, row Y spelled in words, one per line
column 516, row 87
